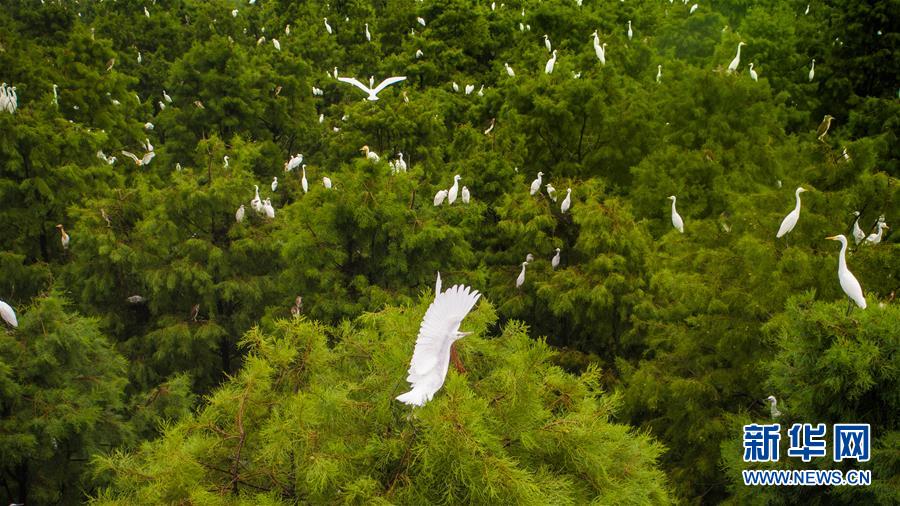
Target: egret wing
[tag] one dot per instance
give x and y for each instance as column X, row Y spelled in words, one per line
column 441, row 321
column 149, row 156
column 8, row 315
column 354, row 82
column 387, row 82
column 131, row 155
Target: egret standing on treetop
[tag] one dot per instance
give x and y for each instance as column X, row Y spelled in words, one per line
column 554, row 263
column 454, row 190
column 327, row 26
column 773, row 406
column 737, row 58
column 439, row 197
column 677, row 222
column 536, row 184
column 812, row 70
column 439, row 330
column 521, row 279
column 371, row 155
column 567, row 202
column 548, row 69
column 753, row 74
column 551, row 191
column 274, row 183
column 547, row 43
column 848, row 281
column 630, row 32
column 256, row 203
column 858, row 234
column 876, row 237
column 791, row 219
column 239, row 215
column 509, row 71
column 63, row 236
column 465, row 195
column 303, row 183
column 373, row 92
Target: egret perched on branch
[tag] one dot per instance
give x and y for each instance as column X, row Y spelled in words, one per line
column 267, row 207
column 822, row 131
column 521, row 279
column 536, row 184
column 63, row 236
column 812, row 70
column 239, row 214
column 465, row 195
column 509, row 71
column 737, row 58
column 327, row 26
column 274, row 183
column 371, row 155
column 677, row 222
column 547, row 43
column 773, row 406
column 551, row 191
column 303, row 182
column 368, row 35
column 630, row 32
column 848, row 281
column 420, row 20
column 548, row 68
column 554, row 263
column 454, row 190
column 439, row 330
column 791, row 219
column 8, row 314
column 858, row 234
column 439, row 197
column 326, row 182
column 373, row 92
column 256, row 203
column 658, row 73
column 753, row 74
column 876, row 237
column 567, row 202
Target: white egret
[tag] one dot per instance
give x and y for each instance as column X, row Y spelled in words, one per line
column 822, row 131
column 276, row 44
column 454, row 86
column 55, row 95
column 368, row 35
column 465, row 195
column 140, row 162
column 321, row 118
column 303, row 183
column 135, row 299
column 658, row 73
column 536, row 184
column 630, row 32
column 326, row 181
column 858, row 234
column 773, row 406
column 225, row 161
column 63, row 236
column 401, row 163
column 791, row 219
column 693, row 8
column 439, row 330
column 267, row 207
column 166, row 97
column 437, row 285
column 567, row 202
column 274, row 183
column 256, row 203
column 848, row 281
column 490, row 127
column 509, row 71
column 439, row 197
column 753, row 74
column 420, row 20
column 372, row 92
column 547, row 43
column 469, row 89
column 548, row 68
column 139, row 58
column 8, row 314
column 146, row 12
column 454, row 190
column 239, row 214
column 327, row 26
column 521, row 279
column 529, row 258
column 293, row 163
column 149, row 126
column 371, row 155
column 677, row 222
column 554, row 263
column 807, row 10
column 419, row 53
column 737, row 58
column 876, row 237
column 812, row 70
column 287, row 29
column 551, row 191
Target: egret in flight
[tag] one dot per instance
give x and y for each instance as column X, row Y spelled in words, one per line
column 8, row 314
column 567, row 202
column 858, row 234
column 372, row 92
column 677, row 222
column 848, row 281
column 790, row 221
column 439, row 330
column 521, row 279
column 737, row 58
column 140, row 162
column 536, row 184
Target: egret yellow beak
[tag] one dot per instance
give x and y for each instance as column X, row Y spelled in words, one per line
column 833, row 238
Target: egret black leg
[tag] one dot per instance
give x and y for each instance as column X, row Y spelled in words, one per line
column 849, row 306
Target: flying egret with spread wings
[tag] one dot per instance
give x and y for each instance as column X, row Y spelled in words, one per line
column 438, row 332
column 373, row 92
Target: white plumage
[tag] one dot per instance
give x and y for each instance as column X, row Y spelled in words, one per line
column 848, row 281
column 465, row 195
column 858, row 234
column 677, row 222
column 790, row 221
column 521, row 279
column 454, row 190
column 439, row 197
column 303, row 182
column 372, row 92
column 555, row 261
column 439, row 330
column 567, row 202
column 8, row 315
column 536, row 184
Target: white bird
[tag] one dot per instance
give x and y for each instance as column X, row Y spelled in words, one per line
column 147, row 145
column 287, row 29
column 454, row 190
column 139, row 58
column 490, row 127
column 551, row 191
column 509, row 71
column 8, row 314
column 326, row 181
column 293, row 163
column 149, row 126
column 239, row 215
column 812, row 70
column 372, row 92
column 322, row 118
column 234, row 13
column 401, row 163
column 421, row 21
column 521, row 279
column 56, row 96
column 547, row 43
column 469, row 89
column 773, row 409
column 274, row 183
column 807, row 10
column 693, row 8
column 439, row 330
column 368, row 35
column 567, row 202
column 536, row 184
column 677, row 222
column 371, row 155
column 548, row 68
column 256, row 203
column 327, row 26
column 737, row 58
column 166, row 97
column 876, row 237
column 303, row 183
column 140, row 162
column 658, row 73
column 146, row 12
column 753, row 74
column 848, row 281
column 630, row 32
column 63, row 236
column 267, row 207
column 465, row 195
column 858, row 234
column 791, row 219
column 529, row 258
column 225, row 161
column 600, row 50
column 554, row 263
column 419, row 53
column 276, row 44
column 481, row 91
column 454, row 86
column 439, row 197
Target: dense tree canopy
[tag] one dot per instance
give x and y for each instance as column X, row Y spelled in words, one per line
column 157, row 360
